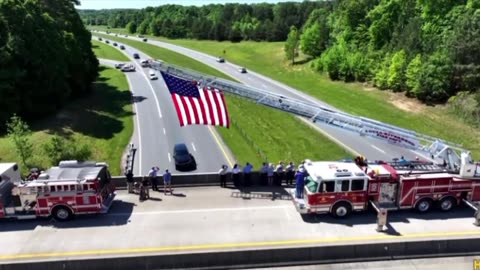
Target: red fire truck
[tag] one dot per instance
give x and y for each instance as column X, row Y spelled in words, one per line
column 72, row 188
column 342, row 187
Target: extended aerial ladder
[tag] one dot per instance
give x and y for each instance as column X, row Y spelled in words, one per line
column 441, row 151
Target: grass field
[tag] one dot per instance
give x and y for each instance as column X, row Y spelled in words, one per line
column 105, row 51
column 268, row 59
column 102, row 120
column 279, row 135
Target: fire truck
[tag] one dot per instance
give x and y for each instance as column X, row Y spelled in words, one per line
column 342, row 187
column 69, row 189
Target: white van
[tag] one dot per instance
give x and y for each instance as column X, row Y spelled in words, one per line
column 152, row 75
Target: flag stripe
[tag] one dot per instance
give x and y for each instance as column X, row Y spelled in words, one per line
column 210, row 107
column 198, row 110
column 205, row 108
column 219, row 110
column 194, row 110
column 187, row 113
column 226, row 111
column 178, row 109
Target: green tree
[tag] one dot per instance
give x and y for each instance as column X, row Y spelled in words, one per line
column 131, row 27
column 313, row 40
column 396, row 71
column 19, row 133
column 413, row 75
column 291, row 45
column 381, row 76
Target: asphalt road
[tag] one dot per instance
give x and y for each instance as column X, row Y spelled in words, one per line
column 157, row 128
column 371, row 148
column 203, row 219
column 457, row 263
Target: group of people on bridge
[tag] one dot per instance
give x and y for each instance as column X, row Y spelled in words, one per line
column 143, row 186
column 269, row 175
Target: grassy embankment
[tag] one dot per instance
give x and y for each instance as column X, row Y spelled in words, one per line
column 102, row 120
column 280, row 136
column 394, row 108
column 107, row 52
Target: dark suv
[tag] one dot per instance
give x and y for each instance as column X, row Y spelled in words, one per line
column 184, row 161
column 136, row 56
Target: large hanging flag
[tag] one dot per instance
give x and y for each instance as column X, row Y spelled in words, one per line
column 196, row 105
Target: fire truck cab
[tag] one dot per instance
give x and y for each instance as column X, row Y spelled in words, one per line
column 72, row 188
column 333, row 187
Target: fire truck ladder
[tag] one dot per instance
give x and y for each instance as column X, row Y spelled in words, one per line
column 417, row 166
column 435, row 147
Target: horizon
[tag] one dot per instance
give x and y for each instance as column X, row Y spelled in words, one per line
column 139, row 4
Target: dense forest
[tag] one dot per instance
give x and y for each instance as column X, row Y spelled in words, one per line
column 430, row 49
column 46, row 57
column 234, row 22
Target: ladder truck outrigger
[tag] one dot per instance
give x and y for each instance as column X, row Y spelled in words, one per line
column 447, row 178
column 69, row 189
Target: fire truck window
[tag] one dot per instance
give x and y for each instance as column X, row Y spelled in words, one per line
column 85, row 187
column 72, row 187
column 329, row 186
column 65, row 188
column 311, row 184
column 345, row 185
column 53, row 189
column 358, row 184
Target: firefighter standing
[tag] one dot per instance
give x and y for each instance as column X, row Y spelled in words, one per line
column 129, row 176
column 236, row 175
column 279, row 174
column 223, row 175
column 247, row 174
column 263, row 174
column 290, row 173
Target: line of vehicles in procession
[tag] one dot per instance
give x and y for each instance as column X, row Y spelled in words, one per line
column 336, row 187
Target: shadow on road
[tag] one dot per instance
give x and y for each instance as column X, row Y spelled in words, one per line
column 118, row 215
column 261, row 192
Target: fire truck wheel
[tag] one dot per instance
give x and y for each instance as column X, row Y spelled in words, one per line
column 424, row 205
column 62, row 213
column 446, row 204
column 341, row 210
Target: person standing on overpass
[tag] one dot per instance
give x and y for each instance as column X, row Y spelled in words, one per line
column 167, row 182
column 236, row 175
column 290, row 173
column 279, row 174
column 299, row 179
column 246, row 174
column 263, row 174
column 152, row 174
column 129, row 176
column 223, row 175
column 270, row 171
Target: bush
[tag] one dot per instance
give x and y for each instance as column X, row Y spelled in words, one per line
column 59, row 149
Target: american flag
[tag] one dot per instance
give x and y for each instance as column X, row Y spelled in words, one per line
column 195, row 105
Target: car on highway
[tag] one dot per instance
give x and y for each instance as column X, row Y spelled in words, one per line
column 242, row 70
column 119, row 65
column 184, row 161
column 145, row 40
column 106, row 41
column 136, row 55
column 128, row 68
column 144, row 63
column 122, row 47
column 100, row 39
column 115, row 44
column 152, row 75
column 220, row 60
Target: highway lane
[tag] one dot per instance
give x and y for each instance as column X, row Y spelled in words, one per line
column 160, row 129
column 147, row 121
column 371, row 148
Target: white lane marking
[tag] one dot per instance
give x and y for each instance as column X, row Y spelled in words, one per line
column 164, row 131
column 422, row 155
column 169, row 158
column 151, row 88
column 377, row 148
column 264, row 86
column 138, row 128
column 206, row 210
column 194, row 149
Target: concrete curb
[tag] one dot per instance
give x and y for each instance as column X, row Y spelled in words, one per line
column 266, row 257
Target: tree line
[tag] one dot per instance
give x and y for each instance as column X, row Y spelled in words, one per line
column 46, row 57
column 234, row 22
column 429, row 49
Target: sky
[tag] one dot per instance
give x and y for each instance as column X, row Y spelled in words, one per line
column 111, row 4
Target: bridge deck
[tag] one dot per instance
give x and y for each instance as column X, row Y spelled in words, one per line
column 210, row 218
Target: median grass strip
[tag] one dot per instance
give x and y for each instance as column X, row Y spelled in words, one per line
column 279, row 135
column 107, row 52
column 268, row 58
column 102, row 120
